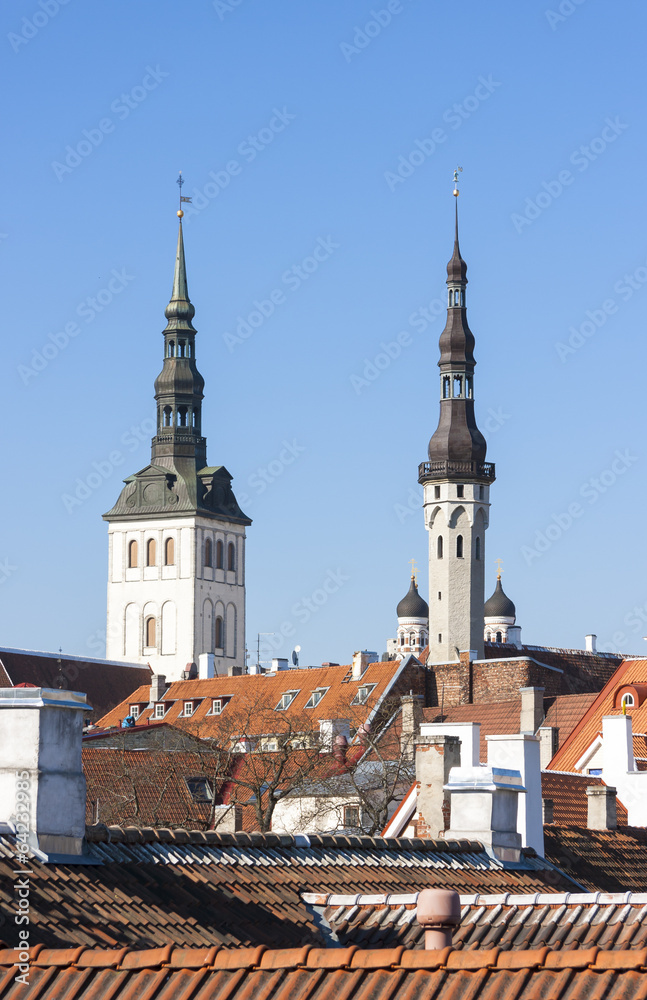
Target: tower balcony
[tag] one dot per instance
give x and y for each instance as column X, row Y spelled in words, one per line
column 449, row 469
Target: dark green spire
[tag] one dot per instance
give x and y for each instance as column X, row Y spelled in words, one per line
column 180, row 310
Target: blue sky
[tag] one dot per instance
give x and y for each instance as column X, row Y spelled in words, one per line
column 334, row 126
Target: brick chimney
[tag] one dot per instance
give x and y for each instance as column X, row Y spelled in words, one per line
column 601, row 811
column 532, row 709
column 435, row 757
column 42, row 787
column 361, row 660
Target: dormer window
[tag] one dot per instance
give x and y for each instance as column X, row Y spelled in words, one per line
column 286, row 700
column 216, row 706
column 627, row 700
column 188, row 709
column 134, row 711
column 315, row 697
column 363, row 694
column 160, row 710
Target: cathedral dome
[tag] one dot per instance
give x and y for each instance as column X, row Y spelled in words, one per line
column 499, row 605
column 412, row 605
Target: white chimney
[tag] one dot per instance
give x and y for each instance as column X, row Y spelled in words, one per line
column 158, row 687
column 206, row 666
column 520, row 752
column 601, row 811
column 484, row 802
column 361, row 660
column 590, row 643
column 532, row 709
column 514, row 636
column 469, row 733
column 548, row 744
column 42, row 787
column 280, row 663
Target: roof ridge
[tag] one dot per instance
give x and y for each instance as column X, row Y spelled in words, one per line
column 482, row 899
column 177, row 957
column 99, row 833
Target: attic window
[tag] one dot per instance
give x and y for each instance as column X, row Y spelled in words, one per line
column 188, row 708
column 134, row 711
column 216, row 706
column 315, row 697
column 363, row 694
column 351, row 816
column 201, row 789
column 286, row 700
column 627, row 700
column 160, row 711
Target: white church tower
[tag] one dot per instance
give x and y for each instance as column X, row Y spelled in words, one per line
column 176, row 584
column 456, row 481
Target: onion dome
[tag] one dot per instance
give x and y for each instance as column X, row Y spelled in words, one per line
column 412, row 605
column 499, row 605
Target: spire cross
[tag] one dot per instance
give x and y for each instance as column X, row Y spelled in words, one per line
column 414, row 570
column 180, row 182
column 498, row 567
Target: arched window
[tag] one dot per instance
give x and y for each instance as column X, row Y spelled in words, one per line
column 208, row 559
column 151, row 552
column 219, row 633
column 445, row 386
column 220, row 554
column 459, row 547
column 168, row 416
column 149, row 635
column 181, row 416
column 133, row 554
column 477, row 548
column 627, row 700
column 499, row 637
column 169, row 552
column 180, row 348
column 171, row 348
column 439, row 547
column 231, row 556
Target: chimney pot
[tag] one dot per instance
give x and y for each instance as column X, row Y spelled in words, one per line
column 439, row 911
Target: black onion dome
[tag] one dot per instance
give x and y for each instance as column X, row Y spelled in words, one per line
column 499, row 606
column 412, row 605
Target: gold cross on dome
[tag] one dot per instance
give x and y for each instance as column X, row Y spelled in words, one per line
column 499, row 571
column 414, row 570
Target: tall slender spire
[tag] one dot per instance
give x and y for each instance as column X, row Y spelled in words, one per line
column 179, row 386
column 457, row 437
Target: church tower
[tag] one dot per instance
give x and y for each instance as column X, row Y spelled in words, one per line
column 456, row 481
column 176, row 584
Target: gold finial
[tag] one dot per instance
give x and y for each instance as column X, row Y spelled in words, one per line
column 180, row 182
column 499, row 571
column 456, row 192
column 414, row 571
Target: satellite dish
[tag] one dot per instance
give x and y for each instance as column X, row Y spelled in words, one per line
column 295, row 656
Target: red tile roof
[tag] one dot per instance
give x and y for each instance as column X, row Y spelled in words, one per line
column 610, row 860
column 568, row 794
column 558, row 920
column 629, row 673
column 154, row 887
column 105, row 682
column 307, row 972
column 253, row 699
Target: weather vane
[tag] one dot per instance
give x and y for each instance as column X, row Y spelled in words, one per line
column 499, row 571
column 456, row 191
column 180, row 182
column 414, row 570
